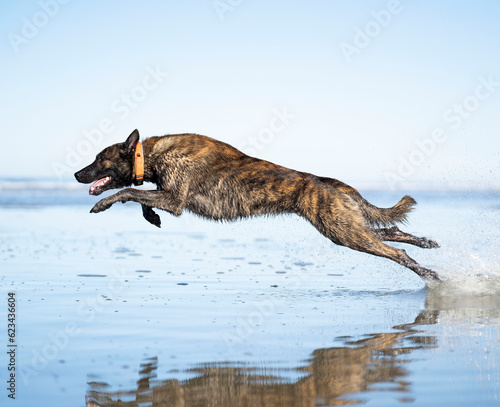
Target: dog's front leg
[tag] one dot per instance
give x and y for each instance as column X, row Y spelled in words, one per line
column 106, row 203
column 153, row 199
column 150, row 215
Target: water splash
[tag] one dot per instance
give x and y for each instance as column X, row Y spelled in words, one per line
column 468, row 273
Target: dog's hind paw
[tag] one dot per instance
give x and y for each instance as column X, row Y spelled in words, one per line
column 429, row 275
column 429, row 243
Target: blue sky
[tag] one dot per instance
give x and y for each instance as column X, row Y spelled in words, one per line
column 414, row 100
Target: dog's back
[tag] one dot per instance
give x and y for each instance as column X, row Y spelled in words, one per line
column 225, row 183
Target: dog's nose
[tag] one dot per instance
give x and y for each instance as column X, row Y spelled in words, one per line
column 77, row 176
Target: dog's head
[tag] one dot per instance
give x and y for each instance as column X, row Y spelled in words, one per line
column 112, row 168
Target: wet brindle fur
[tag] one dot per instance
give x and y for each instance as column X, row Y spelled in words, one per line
column 215, row 180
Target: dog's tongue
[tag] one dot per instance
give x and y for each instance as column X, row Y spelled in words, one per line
column 98, row 184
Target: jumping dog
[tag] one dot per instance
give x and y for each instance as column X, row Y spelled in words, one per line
column 215, row 180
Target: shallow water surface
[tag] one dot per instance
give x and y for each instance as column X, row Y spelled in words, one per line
column 112, row 311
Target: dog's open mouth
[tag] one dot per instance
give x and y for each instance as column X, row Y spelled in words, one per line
column 97, row 186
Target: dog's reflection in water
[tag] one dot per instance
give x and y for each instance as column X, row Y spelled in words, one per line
column 325, row 379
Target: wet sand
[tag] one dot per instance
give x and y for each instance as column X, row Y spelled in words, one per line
column 258, row 312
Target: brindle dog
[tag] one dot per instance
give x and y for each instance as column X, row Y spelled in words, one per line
column 217, row 181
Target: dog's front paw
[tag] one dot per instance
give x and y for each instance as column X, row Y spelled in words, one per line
column 102, row 205
column 154, row 219
column 151, row 216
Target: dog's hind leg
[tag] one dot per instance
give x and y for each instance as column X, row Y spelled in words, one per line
column 377, row 248
column 343, row 225
column 366, row 241
column 395, row 235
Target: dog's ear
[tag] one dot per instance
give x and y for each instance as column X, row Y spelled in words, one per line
column 128, row 147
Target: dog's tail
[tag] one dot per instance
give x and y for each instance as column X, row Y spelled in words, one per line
column 374, row 216
column 383, row 217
